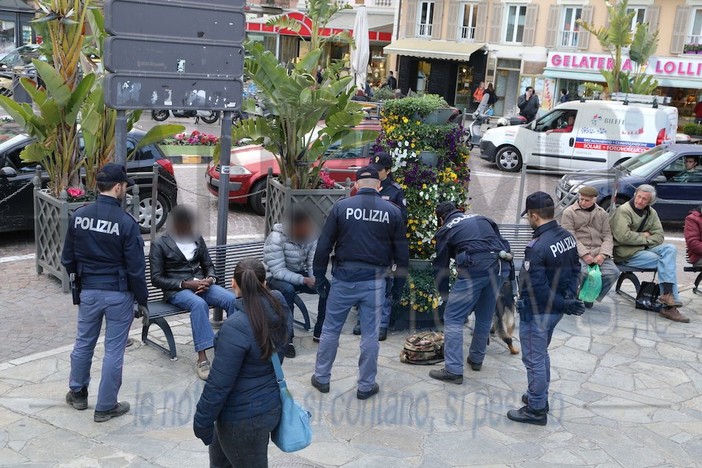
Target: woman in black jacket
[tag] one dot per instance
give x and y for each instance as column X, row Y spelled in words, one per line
column 240, row 404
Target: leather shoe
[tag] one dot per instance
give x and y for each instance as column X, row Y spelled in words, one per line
column 525, row 400
column 668, row 300
column 323, row 388
column 357, row 329
column 382, row 334
column 446, row 376
column 528, row 416
column 368, row 393
column 588, row 305
column 672, row 313
column 290, row 351
column 473, row 365
column 120, row 409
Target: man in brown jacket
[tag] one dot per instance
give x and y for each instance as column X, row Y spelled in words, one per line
column 589, row 223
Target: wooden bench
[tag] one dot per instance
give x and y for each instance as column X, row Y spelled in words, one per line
column 225, row 259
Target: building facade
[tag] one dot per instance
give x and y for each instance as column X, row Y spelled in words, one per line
column 449, row 46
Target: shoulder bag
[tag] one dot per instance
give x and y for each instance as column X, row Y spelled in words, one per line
column 294, row 430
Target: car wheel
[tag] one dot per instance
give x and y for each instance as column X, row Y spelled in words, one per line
column 607, row 202
column 508, row 159
column 160, row 115
column 213, row 117
column 145, row 213
column 258, row 200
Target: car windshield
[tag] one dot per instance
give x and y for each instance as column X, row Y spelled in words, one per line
column 645, row 164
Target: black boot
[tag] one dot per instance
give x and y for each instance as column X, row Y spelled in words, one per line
column 525, row 400
column 446, row 376
column 79, row 399
column 528, row 416
column 357, row 329
column 120, row 408
column 382, row 334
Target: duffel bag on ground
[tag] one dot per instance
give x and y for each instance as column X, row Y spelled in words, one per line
column 423, row 348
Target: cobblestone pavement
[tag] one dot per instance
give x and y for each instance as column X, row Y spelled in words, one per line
column 625, row 392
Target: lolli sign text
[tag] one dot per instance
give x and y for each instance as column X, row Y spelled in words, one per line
column 659, row 66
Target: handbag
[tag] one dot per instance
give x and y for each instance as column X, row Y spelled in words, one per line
column 294, row 431
column 592, row 284
column 490, row 111
column 647, row 297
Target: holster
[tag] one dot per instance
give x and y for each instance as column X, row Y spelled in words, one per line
column 74, row 282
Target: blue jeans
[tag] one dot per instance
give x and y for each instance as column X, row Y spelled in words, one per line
column 288, row 290
column 662, row 257
column 535, row 336
column 387, row 305
column 199, row 307
column 369, row 296
column 477, row 293
column 118, row 310
column 243, row 443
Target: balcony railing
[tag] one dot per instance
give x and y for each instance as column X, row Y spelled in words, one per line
column 694, row 39
column 375, row 4
column 424, row 29
column 569, row 38
column 467, row 33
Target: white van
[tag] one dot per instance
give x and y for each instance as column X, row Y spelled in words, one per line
column 581, row 135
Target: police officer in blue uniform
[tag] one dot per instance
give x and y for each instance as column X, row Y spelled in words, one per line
column 483, row 262
column 104, row 249
column 392, row 192
column 547, row 289
column 368, row 236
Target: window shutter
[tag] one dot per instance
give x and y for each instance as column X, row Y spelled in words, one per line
column 411, row 19
column 680, row 29
column 438, row 17
column 532, row 13
column 496, row 24
column 653, row 14
column 453, row 17
column 481, row 22
column 584, row 36
column 554, row 13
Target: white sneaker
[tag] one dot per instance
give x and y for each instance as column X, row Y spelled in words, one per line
column 203, row 369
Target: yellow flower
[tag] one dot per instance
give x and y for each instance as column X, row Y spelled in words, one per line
column 405, row 119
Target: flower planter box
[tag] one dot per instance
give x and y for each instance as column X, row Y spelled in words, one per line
column 189, row 154
column 407, row 318
column 280, row 198
column 439, row 116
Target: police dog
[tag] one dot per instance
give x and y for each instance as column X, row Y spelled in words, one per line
column 505, row 315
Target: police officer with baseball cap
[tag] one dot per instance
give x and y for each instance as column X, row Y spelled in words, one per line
column 484, row 263
column 105, row 251
column 368, row 236
column 392, row 192
column 547, row 289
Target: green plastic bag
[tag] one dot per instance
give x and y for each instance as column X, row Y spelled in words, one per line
column 592, row 285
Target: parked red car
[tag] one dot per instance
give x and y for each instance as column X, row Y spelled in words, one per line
column 249, row 168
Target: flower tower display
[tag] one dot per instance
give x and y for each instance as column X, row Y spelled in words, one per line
column 444, row 176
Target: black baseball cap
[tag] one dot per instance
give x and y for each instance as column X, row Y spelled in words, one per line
column 381, row 160
column 368, row 172
column 537, row 201
column 114, row 173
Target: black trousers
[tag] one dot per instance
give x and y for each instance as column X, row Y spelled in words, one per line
column 243, row 444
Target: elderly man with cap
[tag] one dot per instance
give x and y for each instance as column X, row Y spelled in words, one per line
column 483, row 262
column 392, row 192
column 104, row 249
column 548, row 282
column 589, row 223
column 368, row 236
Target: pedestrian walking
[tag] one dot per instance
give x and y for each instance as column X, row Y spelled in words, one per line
column 368, row 236
column 240, row 403
column 392, row 192
column 484, row 263
column 105, row 252
column 548, row 282
column 391, row 82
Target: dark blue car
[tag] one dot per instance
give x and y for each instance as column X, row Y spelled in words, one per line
column 674, row 170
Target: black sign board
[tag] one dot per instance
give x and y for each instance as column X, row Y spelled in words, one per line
column 154, row 92
column 167, row 57
column 182, row 21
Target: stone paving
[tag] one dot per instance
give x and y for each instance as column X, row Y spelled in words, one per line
column 626, row 391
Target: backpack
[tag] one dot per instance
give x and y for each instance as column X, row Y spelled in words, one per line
column 423, row 348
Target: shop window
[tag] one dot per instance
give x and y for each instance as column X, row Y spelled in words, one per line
column 516, row 18
column 468, row 21
column 7, row 36
column 639, row 16
column 696, row 33
column 570, row 30
column 426, row 19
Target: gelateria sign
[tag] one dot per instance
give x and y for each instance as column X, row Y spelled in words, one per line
column 670, row 67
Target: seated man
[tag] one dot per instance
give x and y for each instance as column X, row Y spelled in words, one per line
column 288, row 255
column 568, row 128
column 638, row 243
column 689, row 172
column 589, row 223
column 693, row 236
column 182, row 268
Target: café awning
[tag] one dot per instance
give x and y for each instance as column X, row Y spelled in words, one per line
column 443, row 50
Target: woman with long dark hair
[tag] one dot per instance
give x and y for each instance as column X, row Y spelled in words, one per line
column 240, row 404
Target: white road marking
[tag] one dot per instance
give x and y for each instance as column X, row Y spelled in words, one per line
column 17, row 258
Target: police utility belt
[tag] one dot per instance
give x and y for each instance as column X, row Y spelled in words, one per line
column 480, row 261
column 106, row 282
column 359, row 265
